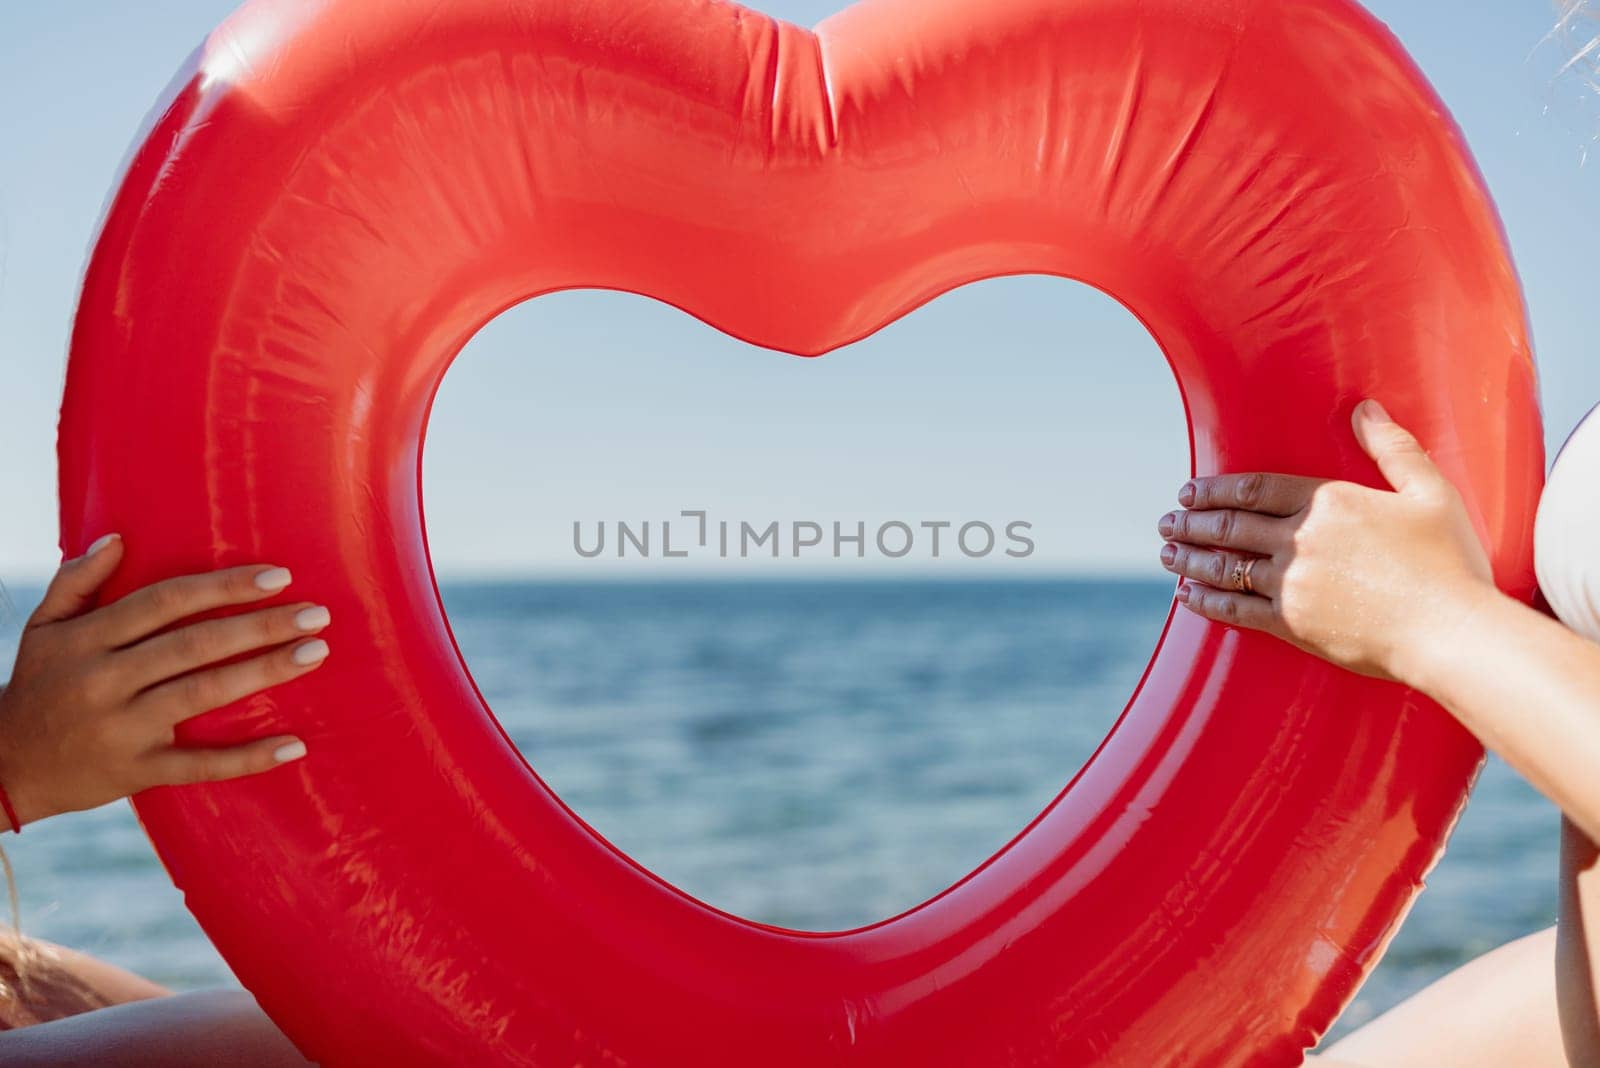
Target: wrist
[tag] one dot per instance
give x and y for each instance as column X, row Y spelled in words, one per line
column 1447, row 638
column 17, row 809
column 13, row 821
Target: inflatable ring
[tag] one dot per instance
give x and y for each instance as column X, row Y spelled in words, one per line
column 338, row 194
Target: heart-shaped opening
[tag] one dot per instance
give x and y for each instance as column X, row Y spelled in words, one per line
column 821, row 739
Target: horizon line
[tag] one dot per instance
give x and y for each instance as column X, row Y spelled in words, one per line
column 769, row 574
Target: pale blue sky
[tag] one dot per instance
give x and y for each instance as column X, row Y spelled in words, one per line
column 1021, row 399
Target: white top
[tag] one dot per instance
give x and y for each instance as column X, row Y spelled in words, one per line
column 1566, row 540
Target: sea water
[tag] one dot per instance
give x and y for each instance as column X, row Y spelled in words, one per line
column 816, row 755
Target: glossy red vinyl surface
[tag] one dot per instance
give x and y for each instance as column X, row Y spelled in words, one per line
column 338, row 193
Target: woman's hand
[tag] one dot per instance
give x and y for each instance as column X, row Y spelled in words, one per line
column 1366, row 578
column 94, row 698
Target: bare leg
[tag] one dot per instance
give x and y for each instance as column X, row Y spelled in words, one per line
column 1578, row 947
column 67, row 1008
column 204, row 1030
column 1495, row 1011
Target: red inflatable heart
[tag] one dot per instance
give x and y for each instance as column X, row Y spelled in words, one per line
column 339, row 193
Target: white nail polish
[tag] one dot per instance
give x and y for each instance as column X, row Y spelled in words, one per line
column 273, row 580
column 1373, row 412
column 312, row 652
column 101, row 542
column 309, row 619
column 289, row 751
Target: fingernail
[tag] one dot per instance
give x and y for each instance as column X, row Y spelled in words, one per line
column 1183, row 594
column 309, row 619
column 101, row 542
column 273, row 580
column 289, row 751
column 1169, row 553
column 312, row 652
column 1372, row 410
column 1168, row 524
column 1186, row 494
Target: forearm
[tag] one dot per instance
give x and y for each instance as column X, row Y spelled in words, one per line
column 1529, row 688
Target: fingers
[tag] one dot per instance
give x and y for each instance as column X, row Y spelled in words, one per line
column 1224, row 606
column 1226, row 528
column 177, row 767
column 1396, row 452
column 156, row 607
column 178, row 652
column 73, row 589
column 1252, row 491
column 1217, row 569
column 182, row 698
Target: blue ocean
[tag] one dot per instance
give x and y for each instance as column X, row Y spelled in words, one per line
column 814, row 754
